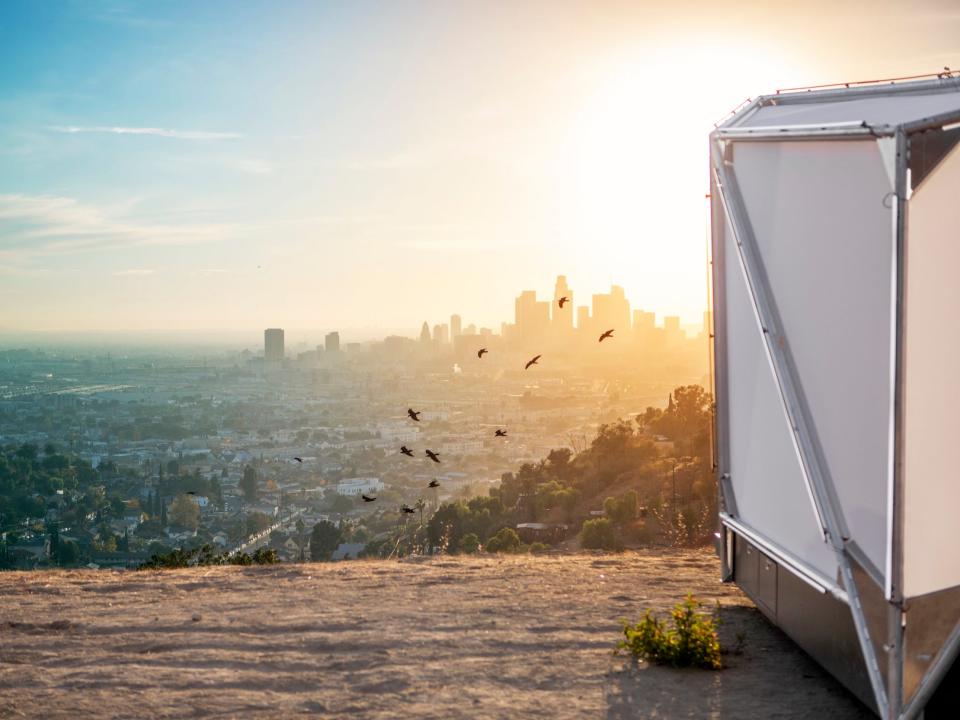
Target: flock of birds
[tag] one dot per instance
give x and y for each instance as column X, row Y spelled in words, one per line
column 434, row 456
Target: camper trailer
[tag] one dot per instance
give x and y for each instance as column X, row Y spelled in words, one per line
column 835, row 259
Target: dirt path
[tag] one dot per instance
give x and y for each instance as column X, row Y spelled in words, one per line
column 444, row 638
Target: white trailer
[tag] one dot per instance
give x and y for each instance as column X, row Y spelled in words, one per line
column 836, row 307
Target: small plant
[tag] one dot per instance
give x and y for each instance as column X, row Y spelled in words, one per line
column 688, row 640
column 470, row 544
column 538, row 548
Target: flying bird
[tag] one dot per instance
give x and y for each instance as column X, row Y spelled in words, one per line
column 481, row 352
column 367, row 498
column 299, row 459
column 406, row 451
column 607, row 334
column 532, row 361
column 407, row 509
column 501, row 433
column 434, row 484
column 433, row 456
column 414, row 415
column 563, row 300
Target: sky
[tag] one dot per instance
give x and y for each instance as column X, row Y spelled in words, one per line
column 231, row 165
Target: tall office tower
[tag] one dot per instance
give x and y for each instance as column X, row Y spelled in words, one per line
column 562, row 316
column 643, row 322
column 671, row 330
column 583, row 319
column 455, row 325
column 425, row 334
column 441, row 334
column 611, row 310
column 273, row 344
column 532, row 317
column 332, row 342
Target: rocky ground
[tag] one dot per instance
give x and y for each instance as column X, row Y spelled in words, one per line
column 486, row 637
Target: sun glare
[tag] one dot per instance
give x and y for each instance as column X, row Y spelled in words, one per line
column 638, row 150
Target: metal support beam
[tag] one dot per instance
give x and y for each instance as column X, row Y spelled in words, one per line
column 814, row 466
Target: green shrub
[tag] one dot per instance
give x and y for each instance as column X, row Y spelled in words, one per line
column 470, row 543
column 688, row 640
column 599, row 534
column 204, row 555
column 538, row 548
column 506, row 540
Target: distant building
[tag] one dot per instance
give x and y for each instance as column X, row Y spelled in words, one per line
column 332, row 342
column 562, row 317
column 355, row 486
column 532, row 316
column 440, row 334
column 611, row 310
column 583, row 318
column 425, row 333
column 273, row 344
column 455, row 324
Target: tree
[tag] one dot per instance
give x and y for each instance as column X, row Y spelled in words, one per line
column 184, row 512
column 470, row 543
column 324, row 539
column 599, row 534
column 506, row 540
column 621, row 509
column 248, row 483
column 257, row 522
column 69, row 552
column 163, row 513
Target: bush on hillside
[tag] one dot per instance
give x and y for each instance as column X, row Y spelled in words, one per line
column 506, row 540
column 599, row 534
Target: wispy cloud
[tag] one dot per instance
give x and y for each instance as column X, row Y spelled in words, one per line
column 45, row 225
column 158, row 132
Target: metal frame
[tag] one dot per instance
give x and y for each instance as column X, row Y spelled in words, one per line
column 888, row 697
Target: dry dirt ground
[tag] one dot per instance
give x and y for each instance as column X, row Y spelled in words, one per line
column 491, row 637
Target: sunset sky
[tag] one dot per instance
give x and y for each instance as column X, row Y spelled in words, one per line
column 238, row 165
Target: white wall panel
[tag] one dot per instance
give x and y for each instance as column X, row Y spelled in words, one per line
column 765, row 470
column 932, row 383
column 824, row 232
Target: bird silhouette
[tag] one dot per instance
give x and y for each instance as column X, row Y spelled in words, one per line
column 191, row 492
column 433, row 456
column 407, row 509
column 434, row 484
column 298, row 459
column 414, row 415
column 607, row 334
column 501, row 433
column 481, row 352
column 532, row 361
column 367, row 498
column 563, row 300
column 406, row 451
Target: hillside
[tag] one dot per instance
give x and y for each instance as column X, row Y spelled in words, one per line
column 512, row 636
